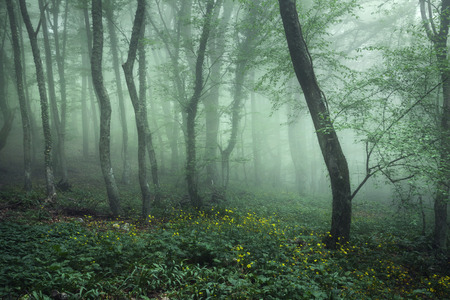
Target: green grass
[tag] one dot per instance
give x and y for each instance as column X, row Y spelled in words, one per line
column 260, row 245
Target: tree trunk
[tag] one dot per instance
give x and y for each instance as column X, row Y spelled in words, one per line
column 211, row 101
column 138, row 105
column 143, row 100
column 329, row 144
column 256, row 138
column 439, row 40
column 52, row 95
column 91, row 97
column 243, row 52
column 21, row 94
column 191, row 111
column 123, row 117
column 105, row 108
column 8, row 114
column 60, row 55
column 84, row 109
column 51, row 191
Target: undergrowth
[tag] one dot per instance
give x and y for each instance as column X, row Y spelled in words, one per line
column 255, row 246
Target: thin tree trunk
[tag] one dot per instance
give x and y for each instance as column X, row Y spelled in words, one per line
column 91, row 96
column 211, row 101
column 84, row 109
column 105, row 108
column 33, row 123
column 138, row 105
column 256, row 138
column 52, row 96
column 191, row 111
column 329, row 143
column 21, row 94
column 60, row 55
column 123, row 117
column 143, row 99
column 51, row 191
column 8, row 114
column 244, row 48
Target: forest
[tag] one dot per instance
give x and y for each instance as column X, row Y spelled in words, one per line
column 224, row 149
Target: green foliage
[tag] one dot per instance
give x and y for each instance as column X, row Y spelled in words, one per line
column 272, row 251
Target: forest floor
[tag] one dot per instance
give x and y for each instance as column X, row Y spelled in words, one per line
column 254, row 245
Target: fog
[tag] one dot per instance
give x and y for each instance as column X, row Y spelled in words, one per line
column 361, row 53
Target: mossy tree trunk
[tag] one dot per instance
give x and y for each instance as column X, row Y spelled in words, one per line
column 105, row 108
column 51, row 191
column 21, row 94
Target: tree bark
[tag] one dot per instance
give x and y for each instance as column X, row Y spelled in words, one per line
column 211, row 101
column 329, row 143
column 21, row 94
column 8, row 114
column 61, row 157
column 123, row 117
column 51, row 191
column 143, row 99
column 105, row 108
column 243, row 52
column 60, row 54
column 439, row 40
column 138, row 106
column 191, row 111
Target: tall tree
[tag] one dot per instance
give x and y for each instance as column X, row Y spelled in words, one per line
column 57, row 123
column 192, row 107
column 8, row 114
column 109, row 11
column 211, row 100
column 245, row 46
column 51, row 191
column 329, row 143
column 138, row 105
column 21, row 94
column 438, row 35
column 60, row 55
column 105, row 108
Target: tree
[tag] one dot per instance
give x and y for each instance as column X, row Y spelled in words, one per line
column 21, row 94
column 58, row 121
column 439, row 38
column 51, row 191
column 109, row 10
column 211, row 100
column 192, row 107
column 139, row 105
column 105, row 108
column 328, row 141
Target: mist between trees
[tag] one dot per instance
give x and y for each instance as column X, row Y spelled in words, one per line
column 348, row 100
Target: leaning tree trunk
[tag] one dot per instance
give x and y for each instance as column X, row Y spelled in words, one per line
column 51, row 191
column 105, row 108
column 138, row 106
column 191, row 111
column 123, row 116
column 21, row 94
column 329, row 143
